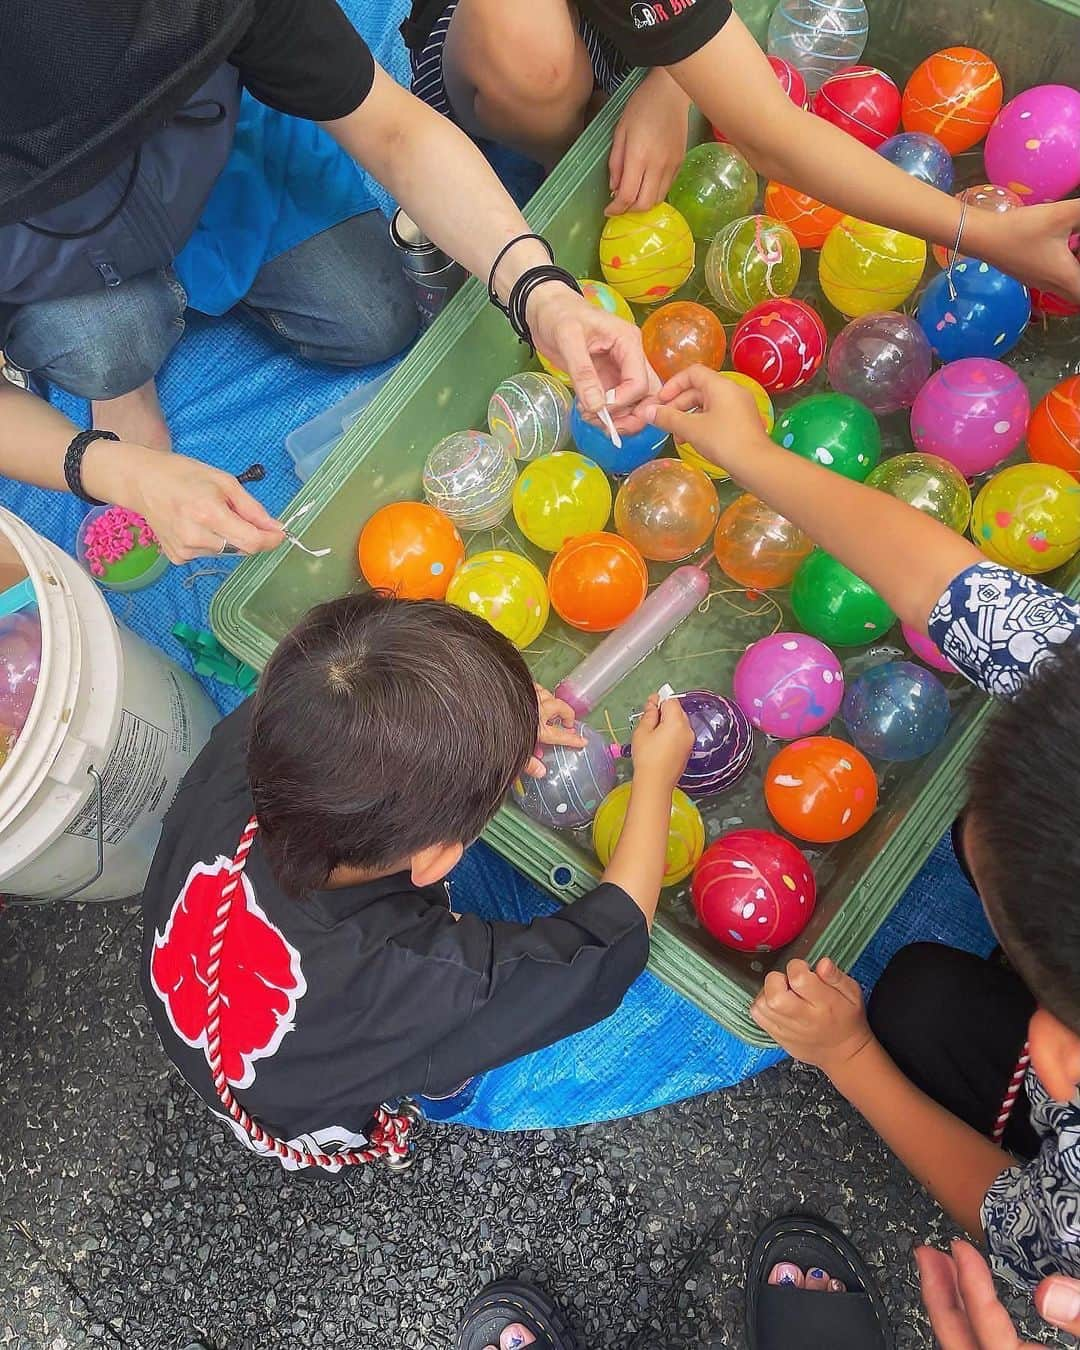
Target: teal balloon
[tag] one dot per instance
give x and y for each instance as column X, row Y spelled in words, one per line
column 833, row 604
column 714, row 186
column 834, row 430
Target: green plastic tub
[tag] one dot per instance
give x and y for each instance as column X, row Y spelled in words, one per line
column 444, row 385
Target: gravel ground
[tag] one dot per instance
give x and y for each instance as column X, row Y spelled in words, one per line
column 127, row 1219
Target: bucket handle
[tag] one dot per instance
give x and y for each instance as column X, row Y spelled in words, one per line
column 99, row 806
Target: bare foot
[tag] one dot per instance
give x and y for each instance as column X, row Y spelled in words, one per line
column 135, row 417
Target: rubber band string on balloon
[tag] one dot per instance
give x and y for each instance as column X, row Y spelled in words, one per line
column 390, row 1133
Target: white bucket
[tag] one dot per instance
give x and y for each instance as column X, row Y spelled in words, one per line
column 113, row 728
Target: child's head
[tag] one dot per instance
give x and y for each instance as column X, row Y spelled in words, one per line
column 1022, row 837
column 384, row 736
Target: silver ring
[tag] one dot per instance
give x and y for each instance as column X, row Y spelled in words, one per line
column 226, row 547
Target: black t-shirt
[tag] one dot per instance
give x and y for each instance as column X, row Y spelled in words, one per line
column 355, row 996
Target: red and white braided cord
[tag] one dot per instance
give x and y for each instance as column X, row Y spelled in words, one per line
column 389, row 1137
column 1011, row 1094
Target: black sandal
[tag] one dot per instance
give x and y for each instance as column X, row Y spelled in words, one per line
column 488, row 1315
column 780, row 1316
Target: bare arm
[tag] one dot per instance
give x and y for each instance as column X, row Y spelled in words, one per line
column 731, row 82
column 190, row 506
column 447, row 186
column 906, row 556
column 818, row 1016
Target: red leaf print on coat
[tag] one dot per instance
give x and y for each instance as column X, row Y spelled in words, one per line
column 260, row 977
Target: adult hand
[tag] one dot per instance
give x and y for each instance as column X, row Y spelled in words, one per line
column 1034, row 244
column 712, row 413
column 598, row 350
column 815, row 1015
column 192, row 508
column 662, row 740
column 649, row 144
column 556, row 728
column 965, row 1311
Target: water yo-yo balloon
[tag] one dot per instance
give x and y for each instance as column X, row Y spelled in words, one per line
column 1028, row 517
column 861, row 100
column 833, row 430
column 780, row 344
column 1033, row 146
column 791, row 82
column 789, row 685
column 411, row 549
column 470, row 477
column 835, row 605
column 974, row 310
column 576, row 782
column 667, row 509
column 820, row 789
column 686, row 832
column 926, row 649
column 986, row 197
column 750, row 260
column 896, row 711
column 559, row 496
column 928, row 483
column 922, row 156
column 818, row 37
column 808, row 219
column 596, row 581
column 974, row 413
column 753, row 890
column 864, row 268
column 647, row 255
column 723, row 743
column 883, row 360
column 1054, row 429
column 504, row 588
column 714, row 185
column 682, row 333
column 529, row 414
column 757, row 547
column 636, row 447
column 954, row 95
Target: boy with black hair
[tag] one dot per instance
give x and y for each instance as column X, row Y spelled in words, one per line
column 964, row 1065
column 301, row 960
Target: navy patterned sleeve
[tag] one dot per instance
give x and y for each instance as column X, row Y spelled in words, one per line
column 998, row 627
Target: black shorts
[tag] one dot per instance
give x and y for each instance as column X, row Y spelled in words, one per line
column 609, row 68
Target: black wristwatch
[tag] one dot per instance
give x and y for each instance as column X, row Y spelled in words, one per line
column 74, row 458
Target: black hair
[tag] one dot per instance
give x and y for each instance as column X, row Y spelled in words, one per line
column 1024, row 819
column 381, row 727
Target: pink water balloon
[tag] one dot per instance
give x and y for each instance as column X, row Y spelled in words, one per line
column 789, row 684
column 926, row 649
column 973, row 412
column 1033, row 146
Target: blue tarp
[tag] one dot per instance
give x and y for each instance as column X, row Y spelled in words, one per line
column 231, row 398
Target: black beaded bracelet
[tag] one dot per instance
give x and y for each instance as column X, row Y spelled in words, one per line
column 73, row 462
column 523, row 289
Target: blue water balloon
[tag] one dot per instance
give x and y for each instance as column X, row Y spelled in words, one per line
column 985, row 317
column 636, row 449
column 896, row 711
column 921, row 155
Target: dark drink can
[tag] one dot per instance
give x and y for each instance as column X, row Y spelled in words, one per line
column 435, row 277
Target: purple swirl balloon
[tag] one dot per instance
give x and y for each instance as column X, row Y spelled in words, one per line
column 723, row 743
column 789, row 685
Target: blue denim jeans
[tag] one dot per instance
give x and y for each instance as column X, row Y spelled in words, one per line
column 339, row 298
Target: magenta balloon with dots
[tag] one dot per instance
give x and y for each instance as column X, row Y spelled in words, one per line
column 927, row 650
column 753, row 890
column 789, row 685
column 973, row 412
column 1033, row 146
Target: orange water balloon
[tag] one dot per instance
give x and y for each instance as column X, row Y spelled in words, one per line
column 821, row 789
column 1054, row 430
column 681, row 334
column 954, row 95
column 410, row 548
column 595, row 581
column 808, row 219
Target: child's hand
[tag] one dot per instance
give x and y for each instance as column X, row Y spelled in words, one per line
column 556, row 728
column 714, row 414
column 662, row 740
column 649, row 144
column 815, row 1015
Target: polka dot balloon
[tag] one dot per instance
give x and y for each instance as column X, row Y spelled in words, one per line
column 821, row 789
column 780, row 344
column 789, row 685
column 411, row 549
column 753, row 891
column 973, row 412
column 1028, row 517
column 507, row 590
column 559, row 496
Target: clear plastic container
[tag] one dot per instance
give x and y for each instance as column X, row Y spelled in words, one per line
column 310, row 443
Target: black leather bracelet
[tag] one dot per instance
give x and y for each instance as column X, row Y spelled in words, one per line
column 74, row 458
column 492, row 294
column 523, row 288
